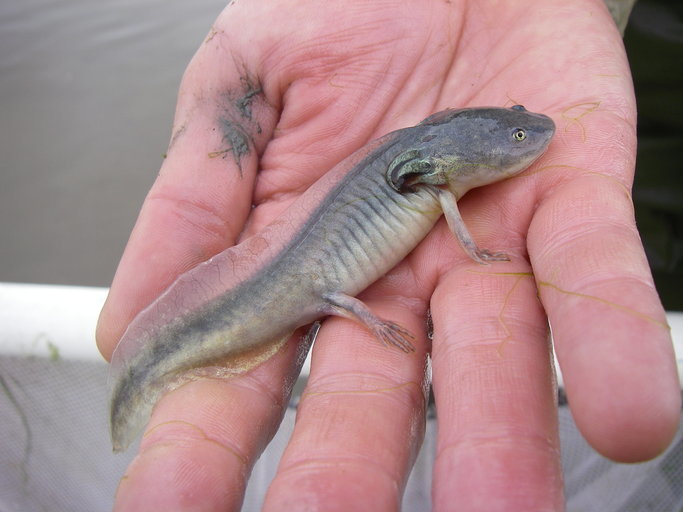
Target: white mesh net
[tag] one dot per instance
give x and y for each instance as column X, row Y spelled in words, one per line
column 56, row 456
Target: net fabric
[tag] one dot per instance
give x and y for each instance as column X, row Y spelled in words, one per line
column 593, row 482
column 55, row 453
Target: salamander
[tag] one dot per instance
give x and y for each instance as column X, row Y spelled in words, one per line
column 358, row 221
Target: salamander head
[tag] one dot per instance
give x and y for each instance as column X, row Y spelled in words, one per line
column 467, row 148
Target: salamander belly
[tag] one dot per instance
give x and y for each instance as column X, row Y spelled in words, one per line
column 363, row 233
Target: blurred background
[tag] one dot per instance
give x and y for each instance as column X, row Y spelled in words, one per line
column 87, row 95
column 654, row 43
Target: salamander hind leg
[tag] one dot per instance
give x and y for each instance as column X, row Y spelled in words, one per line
column 389, row 333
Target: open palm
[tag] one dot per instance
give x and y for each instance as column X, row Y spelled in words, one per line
column 280, row 92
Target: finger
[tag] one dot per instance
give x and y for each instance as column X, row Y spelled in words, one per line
column 204, row 437
column 360, row 421
column 611, row 337
column 498, row 443
column 610, row 331
column 202, row 196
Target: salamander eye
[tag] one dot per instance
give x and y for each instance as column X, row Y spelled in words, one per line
column 519, row 134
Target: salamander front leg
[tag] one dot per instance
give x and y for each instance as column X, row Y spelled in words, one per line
column 449, row 206
column 389, row 333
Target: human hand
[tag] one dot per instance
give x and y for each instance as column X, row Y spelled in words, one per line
column 264, row 110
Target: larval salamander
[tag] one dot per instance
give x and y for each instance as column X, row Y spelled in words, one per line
column 350, row 228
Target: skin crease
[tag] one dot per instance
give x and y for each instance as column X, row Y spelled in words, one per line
column 334, row 76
